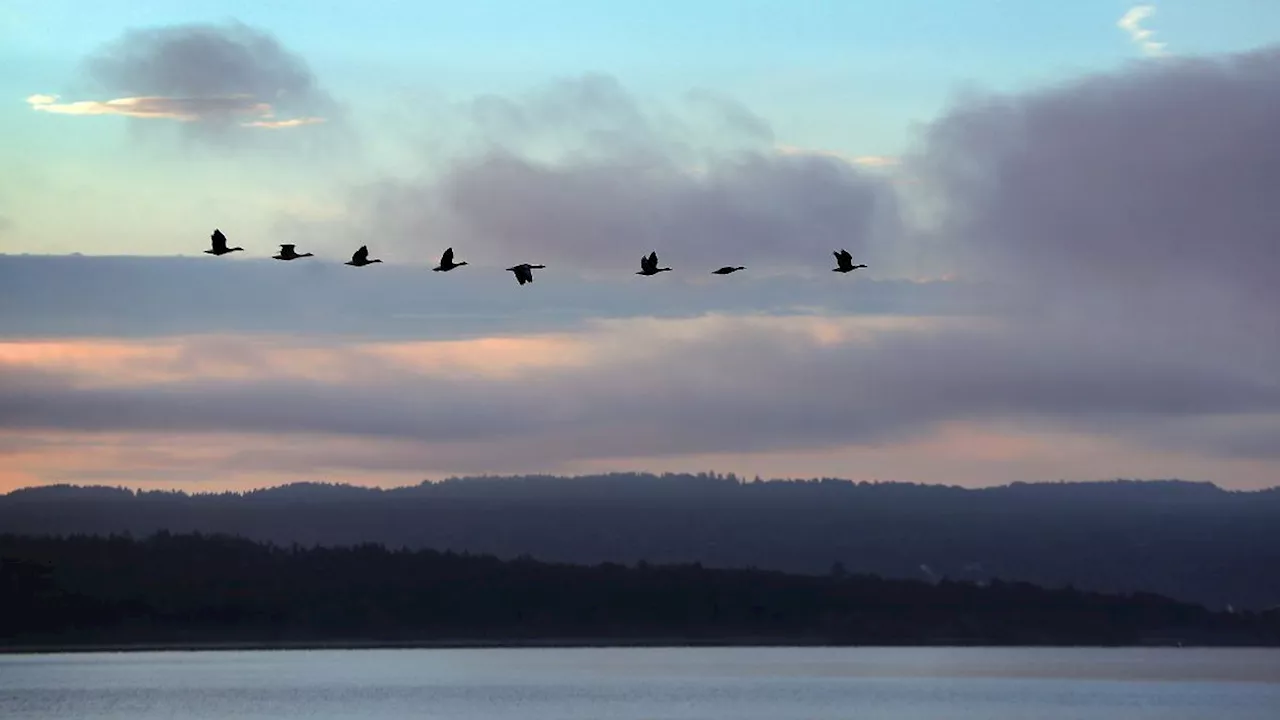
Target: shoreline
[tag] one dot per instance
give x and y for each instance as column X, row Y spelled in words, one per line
column 554, row 643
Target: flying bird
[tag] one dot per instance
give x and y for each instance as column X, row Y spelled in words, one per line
column 360, row 258
column 844, row 262
column 447, row 263
column 524, row 272
column 220, row 244
column 288, row 253
column 726, row 270
column 649, row 265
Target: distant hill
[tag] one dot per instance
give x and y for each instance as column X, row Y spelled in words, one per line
column 193, row 590
column 1190, row 541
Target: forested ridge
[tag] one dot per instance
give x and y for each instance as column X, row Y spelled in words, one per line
column 82, row 591
column 1190, row 541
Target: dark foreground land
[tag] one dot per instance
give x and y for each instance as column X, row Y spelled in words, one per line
column 218, row 591
column 1190, row 541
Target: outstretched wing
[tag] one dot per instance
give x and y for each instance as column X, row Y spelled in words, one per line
column 219, row 240
column 361, row 255
column 447, row 258
column 286, row 249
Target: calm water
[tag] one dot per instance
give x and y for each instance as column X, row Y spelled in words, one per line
column 648, row 684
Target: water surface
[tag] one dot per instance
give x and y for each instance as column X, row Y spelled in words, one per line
column 650, row 684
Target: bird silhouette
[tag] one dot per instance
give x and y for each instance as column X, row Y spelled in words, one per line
column 649, row 265
column 524, row 272
column 844, row 262
column 727, row 269
column 447, row 263
column 220, row 244
column 287, row 253
column 360, row 258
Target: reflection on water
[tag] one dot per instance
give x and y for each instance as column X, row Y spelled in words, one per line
column 774, row 683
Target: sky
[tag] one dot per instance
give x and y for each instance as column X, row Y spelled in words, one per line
column 1067, row 211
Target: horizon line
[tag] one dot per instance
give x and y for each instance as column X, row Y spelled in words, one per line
column 703, row 475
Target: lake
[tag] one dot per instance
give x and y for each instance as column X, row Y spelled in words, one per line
column 649, row 684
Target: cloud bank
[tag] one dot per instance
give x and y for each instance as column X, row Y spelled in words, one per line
column 1128, row 209
column 88, row 296
column 582, row 174
column 646, row 389
column 1123, row 223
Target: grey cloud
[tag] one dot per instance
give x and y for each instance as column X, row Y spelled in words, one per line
column 589, row 114
column 780, row 388
column 757, row 209
column 737, row 116
column 593, row 116
column 237, row 80
column 1251, row 436
column 206, row 61
column 584, row 175
column 1127, row 216
column 1132, row 207
column 61, row 296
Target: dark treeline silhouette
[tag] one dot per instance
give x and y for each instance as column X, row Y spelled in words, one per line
column 83, row 591
column 1189, row 541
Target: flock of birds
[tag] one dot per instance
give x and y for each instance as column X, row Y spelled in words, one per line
column 523, row 271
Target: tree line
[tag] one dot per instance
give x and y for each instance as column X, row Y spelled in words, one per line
column 76, row 591
column 1189, row 541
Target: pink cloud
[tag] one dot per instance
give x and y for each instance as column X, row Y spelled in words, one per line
column 170, row 108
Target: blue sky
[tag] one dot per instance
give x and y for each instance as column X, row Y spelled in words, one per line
column 1028, row 312
column 849, row 76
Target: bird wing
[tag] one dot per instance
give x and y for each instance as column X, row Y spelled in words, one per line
column 361, row 255
column 527, row 272
column 286, row 249
column 219, row 240
column 447, row 258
